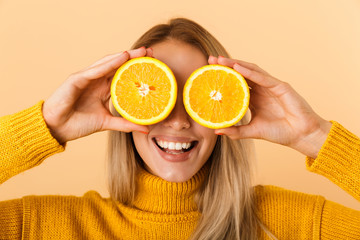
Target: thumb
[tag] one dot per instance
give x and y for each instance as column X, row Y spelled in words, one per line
column 123, row 125
column 239, row 132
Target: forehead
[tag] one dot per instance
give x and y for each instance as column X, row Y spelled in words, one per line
column 182, row 58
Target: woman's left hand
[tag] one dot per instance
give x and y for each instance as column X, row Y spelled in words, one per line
column 278, row 113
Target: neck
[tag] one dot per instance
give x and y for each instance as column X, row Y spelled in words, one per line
column 154, row 194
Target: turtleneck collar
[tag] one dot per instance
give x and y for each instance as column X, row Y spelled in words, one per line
column 157, row 195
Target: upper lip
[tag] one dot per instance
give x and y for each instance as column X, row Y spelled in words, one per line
column 173, row 138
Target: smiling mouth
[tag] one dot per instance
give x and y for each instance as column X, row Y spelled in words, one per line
column 174, row 147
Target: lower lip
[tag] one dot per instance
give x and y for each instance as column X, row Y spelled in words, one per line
column 181, row 157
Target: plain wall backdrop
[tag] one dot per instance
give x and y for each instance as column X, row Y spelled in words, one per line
column 312, row 44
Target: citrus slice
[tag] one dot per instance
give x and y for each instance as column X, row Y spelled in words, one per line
column 144, row 90
column 216, row 96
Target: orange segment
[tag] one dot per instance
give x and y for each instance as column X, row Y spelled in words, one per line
column 144, row 90
column 216, row 96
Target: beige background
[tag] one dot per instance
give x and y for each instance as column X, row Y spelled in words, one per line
column 312, row 44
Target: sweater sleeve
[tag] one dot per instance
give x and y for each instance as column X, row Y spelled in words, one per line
column 25, row 141
column 339, row 222
column 294, row 215
column 339, row 160
column 11, row 219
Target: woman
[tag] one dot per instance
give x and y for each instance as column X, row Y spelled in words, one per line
column 207, row 193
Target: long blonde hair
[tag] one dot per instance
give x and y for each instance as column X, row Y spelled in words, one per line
column 231, row 212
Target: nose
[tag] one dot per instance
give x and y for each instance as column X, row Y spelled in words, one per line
column 178, row 118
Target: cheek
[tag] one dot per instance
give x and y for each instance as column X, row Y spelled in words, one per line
column 209, row 138
column 213, row 143
column 212, row 139
column 140, row 143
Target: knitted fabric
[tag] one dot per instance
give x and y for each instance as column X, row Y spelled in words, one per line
column 164, row 210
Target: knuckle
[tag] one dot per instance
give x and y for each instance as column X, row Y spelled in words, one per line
column 74, row 75
column 253, row 65
column 285, row 85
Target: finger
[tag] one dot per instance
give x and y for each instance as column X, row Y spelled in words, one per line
column 123, row 125
column 149, row 52
column 230, row 63
column 239, row 132
column 83, row 78
column 139, row 52
column 133, row 53
column 259, row 78
column 104, row 59
column 226, row 61
column 212, row 60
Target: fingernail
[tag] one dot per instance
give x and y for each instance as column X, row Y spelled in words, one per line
column 221, row 56
column 219, row 134
column 144, row 132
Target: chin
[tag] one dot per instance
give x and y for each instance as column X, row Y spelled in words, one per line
column 177, row 178
column 173, row 174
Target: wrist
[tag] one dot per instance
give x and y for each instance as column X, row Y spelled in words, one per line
column 50, row 123
column 311, row 143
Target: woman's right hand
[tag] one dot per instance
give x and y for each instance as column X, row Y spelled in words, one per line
column 80, row 106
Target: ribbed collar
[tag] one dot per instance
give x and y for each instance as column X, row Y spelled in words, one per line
column 156, row 195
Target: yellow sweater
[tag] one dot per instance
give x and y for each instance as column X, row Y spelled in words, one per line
column 164, row 210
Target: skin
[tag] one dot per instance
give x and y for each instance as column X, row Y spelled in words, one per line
column 80, row 106
column 279, row 114
column 182, row 59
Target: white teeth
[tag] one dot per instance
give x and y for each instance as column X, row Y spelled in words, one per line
column 173, row 145
column 178, row 146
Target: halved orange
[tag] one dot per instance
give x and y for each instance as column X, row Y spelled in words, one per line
column 144, row 90
column 216, row 96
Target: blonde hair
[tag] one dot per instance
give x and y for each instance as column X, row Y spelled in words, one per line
column 231, row 212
